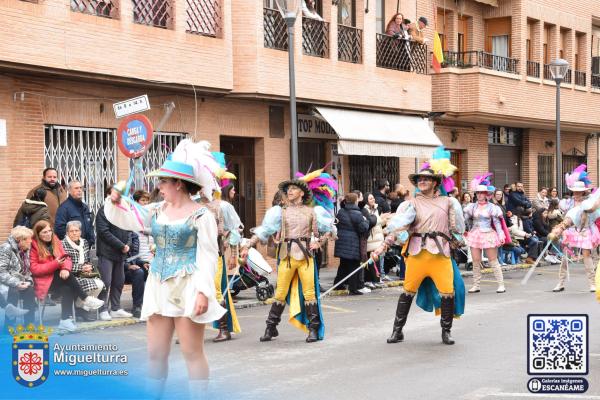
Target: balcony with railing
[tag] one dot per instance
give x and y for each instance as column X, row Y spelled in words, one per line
column 204, row 17
column 315, row 37
column 350, row 44
column 401, row 54
column 275, row 30
column 580, row 78
column 595, row 81
column 478, row 58
column 100, row 8
column 157, row 13
column 533, row 69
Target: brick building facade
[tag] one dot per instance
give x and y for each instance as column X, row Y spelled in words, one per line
column 223, row 64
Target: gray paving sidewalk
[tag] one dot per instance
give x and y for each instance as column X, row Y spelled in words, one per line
column 245, row 299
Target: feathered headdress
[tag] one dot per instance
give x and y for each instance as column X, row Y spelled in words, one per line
column 482, row 180
column 578, row 174
column 225, row 177
column 323, row 187
column 441, row 165
column 197, row 155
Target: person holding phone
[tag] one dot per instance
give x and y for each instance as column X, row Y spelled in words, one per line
column 51, row 268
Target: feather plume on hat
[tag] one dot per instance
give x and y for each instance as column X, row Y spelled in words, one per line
column 323, row 187
column 441, row 165
column 197, row 155
column 578, row 174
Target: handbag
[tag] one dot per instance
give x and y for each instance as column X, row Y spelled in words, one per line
column 94, row 273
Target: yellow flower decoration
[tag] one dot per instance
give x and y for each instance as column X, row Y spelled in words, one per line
column 442, row 166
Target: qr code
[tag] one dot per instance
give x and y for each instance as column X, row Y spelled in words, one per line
column 557, row 344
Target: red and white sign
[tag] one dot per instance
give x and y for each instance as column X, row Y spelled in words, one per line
column 134, row 135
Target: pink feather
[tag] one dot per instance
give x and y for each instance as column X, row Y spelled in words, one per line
column 448, row 184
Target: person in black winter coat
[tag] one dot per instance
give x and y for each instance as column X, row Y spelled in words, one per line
column 517, row 199
column 540, row 223
column 351, row 224
column 383, row 188
column 74, row 209
column 112, row 245
column 135, row 274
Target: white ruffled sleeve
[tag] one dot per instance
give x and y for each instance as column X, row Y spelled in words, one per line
column 324, row 220
column 231, row 223
column 405, row 215
column 271, row 224
column 459, row 218
column 207, row 253
column 129, row 215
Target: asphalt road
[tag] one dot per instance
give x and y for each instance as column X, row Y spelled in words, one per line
column 488, row 361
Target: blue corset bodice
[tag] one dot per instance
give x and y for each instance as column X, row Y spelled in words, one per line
column 175, row 249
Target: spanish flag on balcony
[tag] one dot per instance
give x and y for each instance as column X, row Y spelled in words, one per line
column 438, row 54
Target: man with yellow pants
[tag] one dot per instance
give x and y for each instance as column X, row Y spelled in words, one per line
column 298, row 227
column 426, row 223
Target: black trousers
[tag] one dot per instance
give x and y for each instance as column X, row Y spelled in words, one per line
column 28, row 297
column 345, row 268
column 137, row 279
column 68, row 289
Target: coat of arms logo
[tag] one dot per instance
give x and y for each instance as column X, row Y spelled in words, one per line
column 30, row 354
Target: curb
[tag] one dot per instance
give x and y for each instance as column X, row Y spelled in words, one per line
column 90, row 326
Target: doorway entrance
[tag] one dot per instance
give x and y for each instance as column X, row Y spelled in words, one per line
column 239, row 155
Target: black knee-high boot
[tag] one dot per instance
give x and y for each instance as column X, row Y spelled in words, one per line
column 272, row 321
column 446, row 319
column 402, row 310
column 312, row 311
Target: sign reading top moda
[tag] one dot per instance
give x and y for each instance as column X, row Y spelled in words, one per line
column 313, row 127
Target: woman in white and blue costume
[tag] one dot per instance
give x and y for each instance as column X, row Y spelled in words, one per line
column 180, row 291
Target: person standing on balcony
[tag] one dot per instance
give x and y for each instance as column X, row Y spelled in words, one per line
column 397, row 28
column 416, row 30
column 486, row 233
column 309, row 10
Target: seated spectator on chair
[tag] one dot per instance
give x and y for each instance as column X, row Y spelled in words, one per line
column 85, row 273
column 136, row 272
column 51, row 269
column 527, row 240
column 16, row 275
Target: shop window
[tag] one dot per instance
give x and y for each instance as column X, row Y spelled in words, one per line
column 365, row 170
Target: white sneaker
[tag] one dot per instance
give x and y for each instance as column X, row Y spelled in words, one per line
column 365, row 290
column 549, row 259
column 67, row 325
column 592, row 288
column 385, row 278
column 120, row 313
column 105, row 316
column 370, row 285
column 92, row 303
column 13, row 312
column 501, row 289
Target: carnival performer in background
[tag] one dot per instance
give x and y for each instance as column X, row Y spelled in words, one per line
column 300, row 225
column 229, row 227
column 180, row 290
column 487, row 232
column 427, row 224
column 577, row 230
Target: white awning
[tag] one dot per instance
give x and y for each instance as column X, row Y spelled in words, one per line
column 381, row 134
column 493, row 3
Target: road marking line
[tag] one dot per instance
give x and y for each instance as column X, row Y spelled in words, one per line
column 340, row 309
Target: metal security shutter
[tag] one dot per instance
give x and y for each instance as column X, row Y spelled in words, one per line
column 163, row 143
column 365, row 170
column 84, row 154
column 545, row 171
column 311, row 155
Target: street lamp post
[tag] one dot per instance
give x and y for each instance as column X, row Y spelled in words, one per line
column 558, row 69
column 289, row 10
